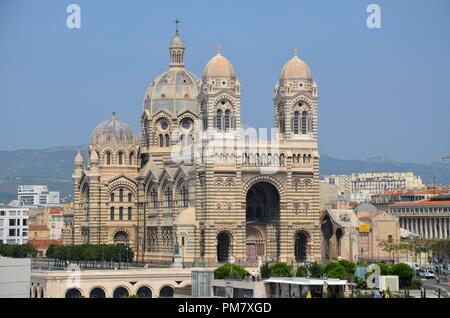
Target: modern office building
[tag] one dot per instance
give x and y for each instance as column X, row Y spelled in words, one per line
column 13, row 225
column 37, row 195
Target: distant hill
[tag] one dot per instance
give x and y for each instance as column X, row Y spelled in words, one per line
column 440, row 170
column 54, row 167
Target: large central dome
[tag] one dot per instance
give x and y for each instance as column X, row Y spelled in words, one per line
column 176, row 89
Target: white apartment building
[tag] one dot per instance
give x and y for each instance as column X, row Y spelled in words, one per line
column 341, row 181
column 376, row 182
column 37, row 195
column 13, row 225
column 360, row 186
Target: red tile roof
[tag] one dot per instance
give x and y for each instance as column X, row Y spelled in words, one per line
column 423, row 202
column 56, row 210
column 44, row 243
column 38, row 228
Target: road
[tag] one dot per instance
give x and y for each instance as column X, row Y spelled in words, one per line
column 432, row 284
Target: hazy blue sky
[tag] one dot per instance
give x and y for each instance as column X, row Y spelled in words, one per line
column 383, row 92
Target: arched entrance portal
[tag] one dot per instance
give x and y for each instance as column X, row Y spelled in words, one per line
column 223, row 247
column 121, row 237
column 301, row 243
column 262, row 221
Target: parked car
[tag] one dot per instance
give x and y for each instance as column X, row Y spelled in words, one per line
column 420, row 273
column 429, row 274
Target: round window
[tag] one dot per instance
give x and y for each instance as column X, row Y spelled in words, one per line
column 164, row 124
column 186, row 123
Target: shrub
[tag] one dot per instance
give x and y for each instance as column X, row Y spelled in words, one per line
column 404, row 273
column 316, row 269
column 230, row 271
column 266, row 270
column 361, row 283
column 361, row 263
column 335, row 270
column 302, row 271
column 18, row 251
column 349, row 267
column 384, row 268
column 281, row 269
column 416, row 283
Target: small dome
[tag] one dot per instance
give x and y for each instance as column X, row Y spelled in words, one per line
column 113, row 132
column 366, row 207
column 219, row 66
column 295, row 68
column 78, row 158
column 177, row 42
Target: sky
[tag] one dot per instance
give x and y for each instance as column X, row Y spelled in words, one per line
column 382, row 92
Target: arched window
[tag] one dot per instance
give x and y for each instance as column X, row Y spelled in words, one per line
column 184, row 195
column 121, row 195
column 167, row 140
column 112, row 197
column 295, row 122
column 130, row 213
column 121, row 213
column 108, row 158
column 168, row 194
column 227, row 120
column 154, row 197
column 111, row 213
column 120, row 158
column 304, row 122
column 129, row 197
column 219, row 120
column 131, row 158
column 161, row 140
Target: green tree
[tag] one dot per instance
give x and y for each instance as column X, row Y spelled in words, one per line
column 350, row 267
column 384, row 268
column 281, row 269
column 230, row 271
column 404, row 273
column 361, row 283
column 335, row 270
column 265, row 270
column 316, row 270
column 301, row 271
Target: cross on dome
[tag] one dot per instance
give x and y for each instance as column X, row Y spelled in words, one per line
column 176, row 23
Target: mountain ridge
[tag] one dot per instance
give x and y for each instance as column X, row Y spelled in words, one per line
column 53, row 166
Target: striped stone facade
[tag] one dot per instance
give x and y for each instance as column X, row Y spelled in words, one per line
column 201, row 188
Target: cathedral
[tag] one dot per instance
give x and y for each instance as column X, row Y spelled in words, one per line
column 198, row 184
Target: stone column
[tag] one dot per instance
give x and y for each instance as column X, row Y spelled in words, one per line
column 436, row 234
column 430, row 228
column 446, row 228
column 441, row 225
column 425, row 227
column 416, row 226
